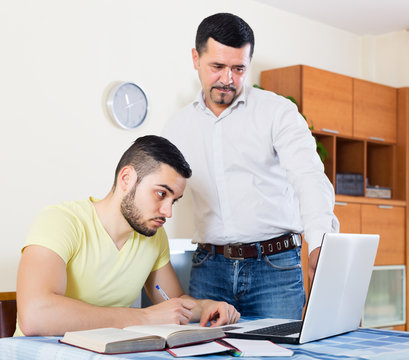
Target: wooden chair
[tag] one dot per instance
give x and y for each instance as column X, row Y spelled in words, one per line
column 8, row 313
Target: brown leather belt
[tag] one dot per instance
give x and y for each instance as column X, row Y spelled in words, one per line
column 268, row 247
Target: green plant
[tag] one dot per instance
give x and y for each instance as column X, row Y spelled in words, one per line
column 321, row 150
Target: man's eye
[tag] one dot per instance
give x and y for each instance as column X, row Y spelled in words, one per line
column 161, row 194
column 238, row 70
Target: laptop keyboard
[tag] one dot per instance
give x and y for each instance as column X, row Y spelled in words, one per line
column 280, row 329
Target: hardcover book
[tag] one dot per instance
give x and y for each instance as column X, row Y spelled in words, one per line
column 140, row 337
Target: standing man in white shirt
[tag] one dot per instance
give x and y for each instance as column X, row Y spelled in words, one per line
column 258, row 182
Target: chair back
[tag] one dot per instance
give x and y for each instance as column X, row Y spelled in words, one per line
column 8, row 314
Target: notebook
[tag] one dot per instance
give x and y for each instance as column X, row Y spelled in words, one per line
column 336, row 299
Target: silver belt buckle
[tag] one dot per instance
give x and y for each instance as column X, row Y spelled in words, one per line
column 295, row 240
column 227, row 253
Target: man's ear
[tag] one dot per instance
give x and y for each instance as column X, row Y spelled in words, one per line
column 126, row 178
column 195, row 58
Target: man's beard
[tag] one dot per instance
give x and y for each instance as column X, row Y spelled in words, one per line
column 133, row 214
column 222, row 97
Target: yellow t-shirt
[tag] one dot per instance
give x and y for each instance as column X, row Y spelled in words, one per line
column 97, row 272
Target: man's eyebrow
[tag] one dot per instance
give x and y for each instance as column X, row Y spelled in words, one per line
column 234, row 66
column 167, row 188
column 217, row 64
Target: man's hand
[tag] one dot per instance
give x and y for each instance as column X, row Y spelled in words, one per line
column 173, row 311
column 312, row 262
column 182, row 308
column 218, row 313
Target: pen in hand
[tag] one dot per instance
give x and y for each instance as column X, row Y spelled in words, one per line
column 162, row 293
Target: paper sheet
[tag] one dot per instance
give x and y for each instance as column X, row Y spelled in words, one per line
column 257, row 348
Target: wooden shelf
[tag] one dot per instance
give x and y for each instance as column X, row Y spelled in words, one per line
column 367, row 200
column 375, row 160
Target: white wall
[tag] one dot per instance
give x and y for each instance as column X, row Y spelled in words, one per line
column 58, row 58
column 387, row 58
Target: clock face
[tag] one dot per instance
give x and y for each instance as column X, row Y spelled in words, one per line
column 128, row 105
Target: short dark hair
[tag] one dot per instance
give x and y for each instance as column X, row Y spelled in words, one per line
column 225, row 28
column 148, row 152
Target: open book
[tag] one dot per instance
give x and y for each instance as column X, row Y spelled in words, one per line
column 140, row 337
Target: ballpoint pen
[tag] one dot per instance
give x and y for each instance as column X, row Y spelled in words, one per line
column 162, row 293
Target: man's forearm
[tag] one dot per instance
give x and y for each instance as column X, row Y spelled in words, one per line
column 56, row 314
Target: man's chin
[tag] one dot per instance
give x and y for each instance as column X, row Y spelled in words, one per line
column 223, row 99
column 146, row 231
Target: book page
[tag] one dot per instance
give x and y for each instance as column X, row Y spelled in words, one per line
column 257, row 348
column 164, row 330
column 103, row 335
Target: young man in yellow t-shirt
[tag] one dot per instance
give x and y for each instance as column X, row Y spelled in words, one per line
column 85, row 262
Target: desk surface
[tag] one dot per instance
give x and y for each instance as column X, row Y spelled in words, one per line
column 361, row 344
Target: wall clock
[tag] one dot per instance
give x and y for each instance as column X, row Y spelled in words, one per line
column 127, row 105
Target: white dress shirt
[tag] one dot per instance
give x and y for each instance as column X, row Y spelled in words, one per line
column 256, row 172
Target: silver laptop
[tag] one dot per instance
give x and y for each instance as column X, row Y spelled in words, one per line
column 336, row 299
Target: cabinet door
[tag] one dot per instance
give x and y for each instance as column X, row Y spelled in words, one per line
column 327, row 100
column 374, row 110
column 389, row 223
column 349, row 217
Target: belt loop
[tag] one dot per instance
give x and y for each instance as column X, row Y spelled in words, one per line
column 259, row 251
column 213, row 252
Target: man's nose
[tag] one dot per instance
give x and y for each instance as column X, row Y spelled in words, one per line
column 226, row 77
column 166, row 209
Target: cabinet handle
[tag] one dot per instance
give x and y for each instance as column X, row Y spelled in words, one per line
column 340, row 203
column 330, row 131
column 385, row 206
column 376, row 138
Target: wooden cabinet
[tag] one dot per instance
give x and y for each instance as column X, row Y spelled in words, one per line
column 402, row 156
column 386, row 220
column 389, row 222
column 337, row 103
column 325, row 98
column 349, row 217
column 364, row 127
column 356, row 120
column 374, row 111
column 402, row 144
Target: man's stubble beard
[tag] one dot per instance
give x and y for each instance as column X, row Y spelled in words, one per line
column 222, row 97
column 133, row 215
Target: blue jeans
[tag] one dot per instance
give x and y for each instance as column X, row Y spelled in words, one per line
column 266, row 286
